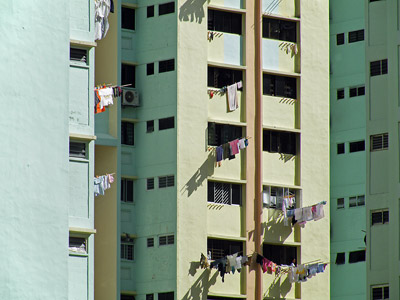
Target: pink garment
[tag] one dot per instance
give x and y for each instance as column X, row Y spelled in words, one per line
column 234, row 146
column 110, row 178
column 265, row 264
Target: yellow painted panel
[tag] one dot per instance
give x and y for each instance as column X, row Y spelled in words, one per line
column 217, row 2
column 280, row 112
column 231, row 284
column 219, row 215
column 279, row 168
column 278, row 287
column 230, row 169
column 218, row 108
column 216, row 48
column 274, row 230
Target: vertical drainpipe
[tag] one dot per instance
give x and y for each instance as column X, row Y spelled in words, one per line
column 258, row 141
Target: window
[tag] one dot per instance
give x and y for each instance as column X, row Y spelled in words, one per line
column 166, row 65
column 352, row 201
column 279, row 142
column 340, row 258
column 166, row 296
column 150, row 69
column 77, row 149
column 340, row 148
column 150, row 126
column 166, row 240
column 127, row 297
column 150, row 242
column 166, row 181
column 128, row 74
column 220, row 248
column 381, row 292
column 356, row 256
column 340, row 39
column 224, row 21
column 356, row 36
column 378, row 67
column 166, row 8
column 127, row 250
column 357, row 146
column 128, row 18
column 127, row 190
column 340, row 94
column 224, row 193
column 357, row 91
column 149, row 296
column 127, row 133
column 279, row 86
column 379, row 142
column 220, row 77
column 150, row 11
column 77, row 245
column 340, row 203
column 380, row 217
column 281, row 255
column 361, row 200
column 274, row 196
column 219, row 134
column 78, row 55
column 166, row 123
column 279, row 30
column 150, row 183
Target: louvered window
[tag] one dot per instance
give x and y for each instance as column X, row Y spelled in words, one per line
column 380, row 293
column 78, row 55
column 166, row 240
column 340, row 39
column 220, row 248
column 166, row 65
column 77, row 149
column 150, row 242
column 166, row 181
column 224, row 193
column 77, row 245
column 150, row 183
column 378, row 67
column 356, row 36
column 280, row 86
column 379, row 142
column 219, row 134
column 166, row 296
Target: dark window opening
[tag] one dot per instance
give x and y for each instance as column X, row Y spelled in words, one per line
column 77, row 244
column 378, row 67
column 380, row 293
column 356, row 256
column 166, row 8
column 224, row 193
column 379, row 142
column 224, row 21
column 280, row 86
column 340, row 203
column 340, row 94
column 127, row 297
column 149, row 296
column 150, row 184
column 356, row 36
column 357, row 146
column 221, row 248
column 340, row 39
column 281, row 255
column 79, row 55
column 166, row 296
column 150, row 126
column 220, row 77
column 340, row 148
column 166, row 240
column 128, row 75
column 166, row 123
column 150, row 242
column 380, row 217
column 357, row 91
column 77, row 149
column 127, row 190
column 166, row 181
column 127, row 133
column 150, row 69
column 150, row 11
column 166, row 65
column 340, row 258
column 128, row 18
column 279, row 30
column 279, row 142
column 219, row 134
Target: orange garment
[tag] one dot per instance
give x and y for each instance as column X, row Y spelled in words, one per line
column 98, row 109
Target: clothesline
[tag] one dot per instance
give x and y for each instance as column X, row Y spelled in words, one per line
column 212, row 148
column 224, row 88
column 109, row 85
column 102, row 183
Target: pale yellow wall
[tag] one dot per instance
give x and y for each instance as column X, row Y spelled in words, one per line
column 218, row 108
column 280, row 112
column 106, row 224
column 274, row 230
column 219, row 215
column 280, row 168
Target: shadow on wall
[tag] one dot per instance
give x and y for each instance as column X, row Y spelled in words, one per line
column 192, row 10
column 278, row 290
column 205, row 170
column 274, row 229
column 287, row 157
column 201, row 286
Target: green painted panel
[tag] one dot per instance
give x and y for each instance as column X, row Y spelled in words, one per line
column 79, row 189
column 378, row 179
column 379, row 247
column 377, row 21
column 77, row 277
column 79, row 96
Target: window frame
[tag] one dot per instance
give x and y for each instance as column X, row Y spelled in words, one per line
column 384, row 143
column 124, row 190
column 383, row 288
column 354, row 256
column 383, row 217
column 356, row 36
column 168, row 179
column 280, row 193
column 224, row 184
column 75, row 251
column 219, row 134
column 127, row 249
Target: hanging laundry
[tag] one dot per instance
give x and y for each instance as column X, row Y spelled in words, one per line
column 204, row 262
column 233, row 101
column 219, row 154
column 234, row 147
column 102, row 183
column 102, row 10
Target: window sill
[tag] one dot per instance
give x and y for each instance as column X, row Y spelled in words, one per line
column 224, row 237
column 276, row 72
column 226, row 66
column 282, row 129
column 242, row 124
column 280, row 17
column 230, row 9
column 77, row 159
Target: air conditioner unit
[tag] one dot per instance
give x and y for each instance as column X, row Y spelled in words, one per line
column 130, row 97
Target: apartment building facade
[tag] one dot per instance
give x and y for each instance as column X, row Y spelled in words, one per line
column 347, row 151
column 166, row 207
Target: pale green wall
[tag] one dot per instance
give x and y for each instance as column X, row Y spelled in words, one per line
column 348, row 170
column 34, row 153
